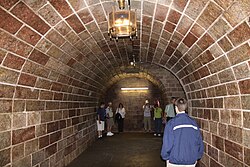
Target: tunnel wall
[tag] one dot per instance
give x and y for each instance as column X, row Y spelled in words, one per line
column 219, row 99
column 47, row 125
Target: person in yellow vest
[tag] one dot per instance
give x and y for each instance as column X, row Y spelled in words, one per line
column 158, row 114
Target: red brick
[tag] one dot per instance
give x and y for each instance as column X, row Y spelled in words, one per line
column 7, row 4
column 205, row 41
column 8, row 22
column 71, row 62
column 62, row 7
column 147, row 21
column 29, row 35
column 75, row 24
column 204, row 71
column 13, row 62
column 245, row 86
column 27, row 80
column 12, row 44
column 52, row 127
column 29, row 17
column 179, row 4
column 189, row 40
column 26, row 93
column 169, row 27
column 38, row 57
column 55, row 137
column 43, row 141
column 22, row 135
column 174, row 16
column 240, row 34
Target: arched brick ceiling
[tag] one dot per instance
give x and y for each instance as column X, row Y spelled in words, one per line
column 65, row 39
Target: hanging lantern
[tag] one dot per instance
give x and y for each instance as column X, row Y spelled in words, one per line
column 122, row 23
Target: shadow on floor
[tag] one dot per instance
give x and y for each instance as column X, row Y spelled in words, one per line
column 122, row 150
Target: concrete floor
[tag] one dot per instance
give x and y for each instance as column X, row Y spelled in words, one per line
column 123, row 150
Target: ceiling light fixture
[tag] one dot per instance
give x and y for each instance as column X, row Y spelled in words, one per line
column 122, row 23
column 142, row 88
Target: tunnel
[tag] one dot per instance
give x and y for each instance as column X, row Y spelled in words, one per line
column 57, row 63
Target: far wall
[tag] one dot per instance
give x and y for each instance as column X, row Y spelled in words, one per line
column 133, row 101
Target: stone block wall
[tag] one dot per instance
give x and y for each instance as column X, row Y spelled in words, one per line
column 42, row 126
column 218, row 92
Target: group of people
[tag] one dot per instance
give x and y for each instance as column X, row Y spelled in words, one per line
column 106, row 115
column 182, row 142
column 160, row 118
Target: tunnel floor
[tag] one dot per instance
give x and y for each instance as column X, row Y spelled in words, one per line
column 122, row 150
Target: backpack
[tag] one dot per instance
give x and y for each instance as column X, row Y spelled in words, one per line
column 118, row 116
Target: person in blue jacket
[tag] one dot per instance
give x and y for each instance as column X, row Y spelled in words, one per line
column 182, row 141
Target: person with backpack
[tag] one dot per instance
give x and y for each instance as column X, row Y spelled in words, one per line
column 120, row 115
column 182, row 142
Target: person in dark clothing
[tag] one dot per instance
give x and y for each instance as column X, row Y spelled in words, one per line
column 120, row 110
column 101, row 113
column 182, row 141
